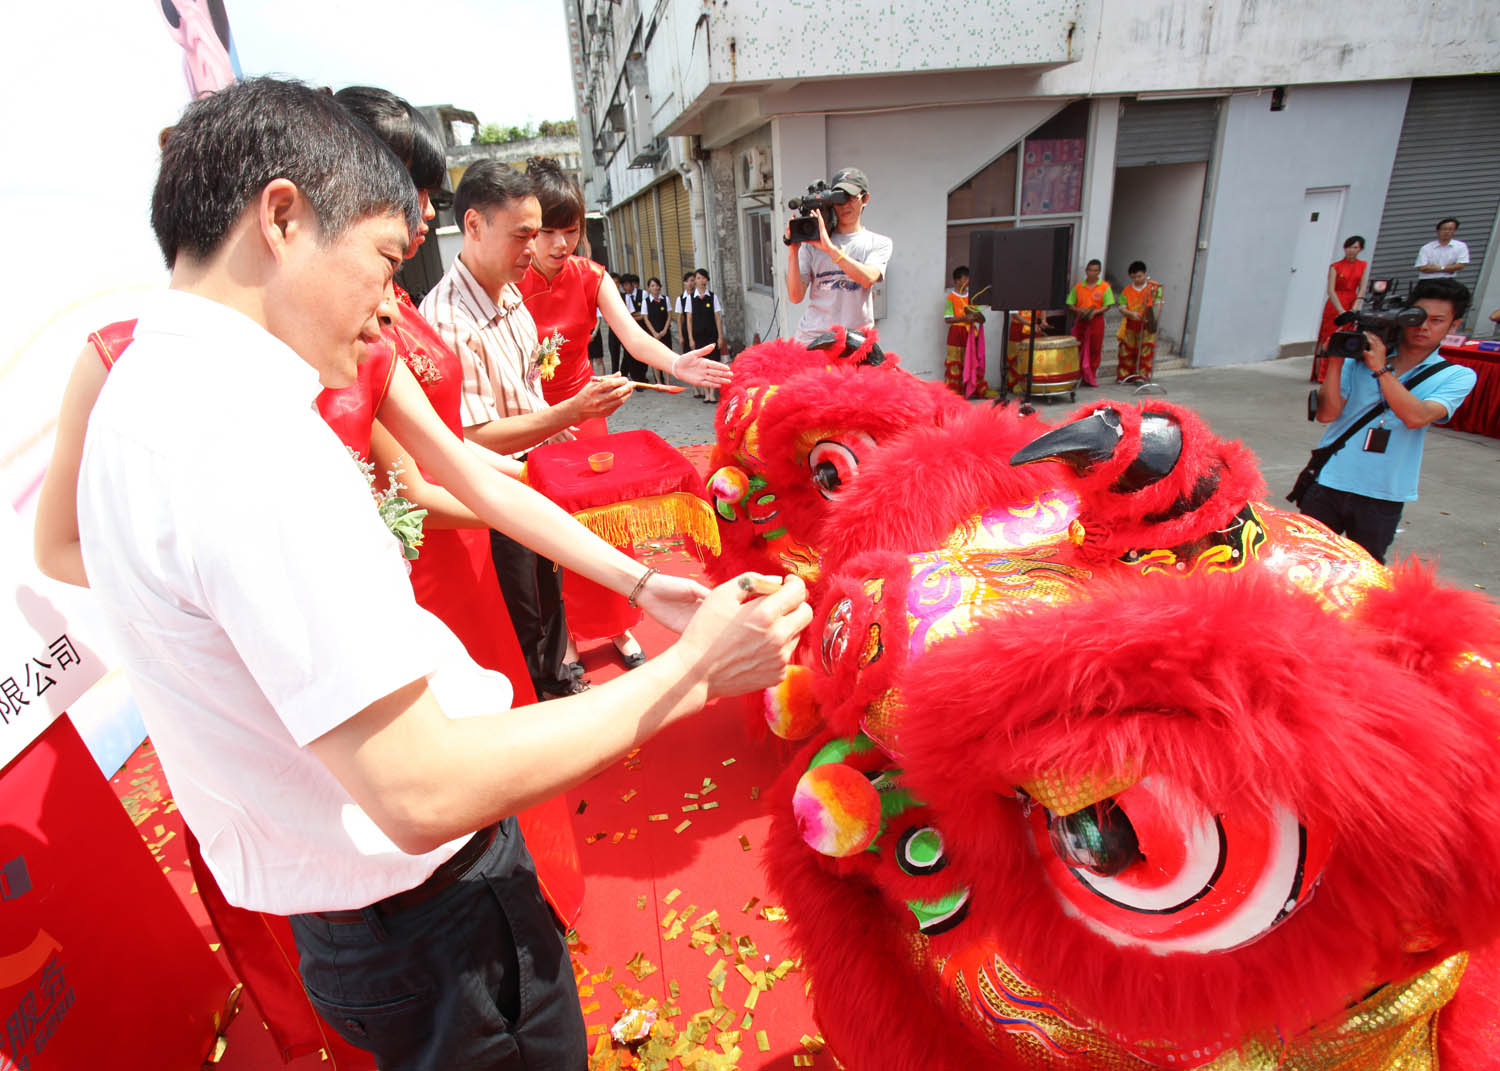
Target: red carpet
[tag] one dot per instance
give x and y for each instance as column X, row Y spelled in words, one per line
column 676, row 919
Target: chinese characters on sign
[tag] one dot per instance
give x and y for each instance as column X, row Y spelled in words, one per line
column 27, row 684
column 31, row 1024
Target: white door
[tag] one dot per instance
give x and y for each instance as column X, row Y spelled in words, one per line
column 1317, row 247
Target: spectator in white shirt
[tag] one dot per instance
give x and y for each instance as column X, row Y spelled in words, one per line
column 1446, row 256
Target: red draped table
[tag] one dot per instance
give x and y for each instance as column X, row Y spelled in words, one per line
column 651, row 492
column 1480, row 412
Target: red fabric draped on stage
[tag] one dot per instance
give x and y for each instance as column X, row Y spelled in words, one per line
column 644, row 466
column 650, row 492
column 1480, row 412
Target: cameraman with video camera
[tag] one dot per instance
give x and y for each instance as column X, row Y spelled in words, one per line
column 838, row 269
column 1367, row 479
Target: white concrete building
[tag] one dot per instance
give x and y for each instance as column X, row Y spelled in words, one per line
column 1232, row 146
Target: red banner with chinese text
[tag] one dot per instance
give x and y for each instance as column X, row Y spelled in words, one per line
column 100, row 964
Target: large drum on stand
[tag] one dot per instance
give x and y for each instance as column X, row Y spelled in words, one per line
column 1055, row 370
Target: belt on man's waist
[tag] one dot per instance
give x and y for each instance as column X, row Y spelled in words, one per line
column 444, row 877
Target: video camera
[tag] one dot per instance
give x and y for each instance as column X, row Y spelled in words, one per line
column 820, row 198
column 1377, row 319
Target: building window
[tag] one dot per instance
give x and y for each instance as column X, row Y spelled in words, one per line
column 759, row 245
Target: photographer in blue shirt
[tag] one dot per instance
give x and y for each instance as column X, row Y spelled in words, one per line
column 1361, row 490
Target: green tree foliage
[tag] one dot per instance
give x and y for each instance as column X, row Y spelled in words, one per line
column 495, row 134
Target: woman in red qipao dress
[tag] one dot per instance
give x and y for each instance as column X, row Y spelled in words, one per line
column 565, row 294
column 1346, row 290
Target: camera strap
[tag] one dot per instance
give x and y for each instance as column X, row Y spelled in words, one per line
column 1380, row 407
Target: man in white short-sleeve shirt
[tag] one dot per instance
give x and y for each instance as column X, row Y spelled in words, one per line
column 836, row 273
column 331, row 745
column 1445, row 256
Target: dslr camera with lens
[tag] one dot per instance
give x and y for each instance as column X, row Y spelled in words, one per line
column 820, row 198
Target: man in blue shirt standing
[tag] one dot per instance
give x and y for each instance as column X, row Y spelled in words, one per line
column 1362, row 488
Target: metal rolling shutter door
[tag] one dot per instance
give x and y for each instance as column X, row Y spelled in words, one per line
column 1166, row 132
column 650, row 240
column 618, row 240
column 674, row 212
column 1447, row 164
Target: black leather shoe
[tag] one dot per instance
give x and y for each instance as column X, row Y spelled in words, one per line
column 556, row 689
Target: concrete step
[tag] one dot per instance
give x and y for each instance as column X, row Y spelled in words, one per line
column 1163, row 362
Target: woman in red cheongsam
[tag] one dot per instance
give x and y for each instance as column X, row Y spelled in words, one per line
column 1346, row 290
column 565, row 294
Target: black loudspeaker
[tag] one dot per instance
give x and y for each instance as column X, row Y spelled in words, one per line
column 1023, row 267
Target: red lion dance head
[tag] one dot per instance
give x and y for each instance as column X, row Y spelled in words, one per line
column 1111, row 764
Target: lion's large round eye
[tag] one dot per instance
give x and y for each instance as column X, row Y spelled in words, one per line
column 832, row 463
column 1154, row 867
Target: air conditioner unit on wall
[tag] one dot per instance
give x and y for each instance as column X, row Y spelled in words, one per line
column 756, row 174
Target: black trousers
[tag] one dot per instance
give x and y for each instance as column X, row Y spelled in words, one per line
column 634, row 369
column 532, row 586
column 1370, row 522
column 614, row 352
column 477, row 977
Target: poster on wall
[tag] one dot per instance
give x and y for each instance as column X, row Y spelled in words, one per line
column 1052, row 176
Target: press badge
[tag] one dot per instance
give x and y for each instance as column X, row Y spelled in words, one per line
column 1376, row 440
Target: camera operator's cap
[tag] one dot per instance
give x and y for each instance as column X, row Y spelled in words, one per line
column 851, row 180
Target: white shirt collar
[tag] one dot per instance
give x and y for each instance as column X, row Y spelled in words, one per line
column 177, row 312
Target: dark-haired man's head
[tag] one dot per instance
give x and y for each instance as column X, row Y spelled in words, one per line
column 497, row 209
column 1091, row 271
column 1447, row 228
column 407, row 134
column 961, row 276
column 1444, row 301
column 230, row 145
column 1443, row 289
column 273, row 200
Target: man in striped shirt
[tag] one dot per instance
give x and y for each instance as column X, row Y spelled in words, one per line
column 478, row 311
